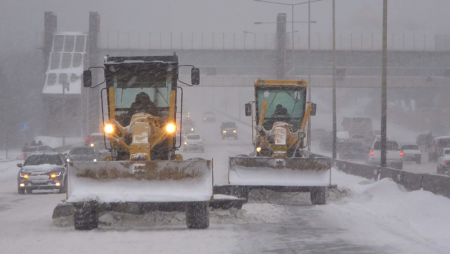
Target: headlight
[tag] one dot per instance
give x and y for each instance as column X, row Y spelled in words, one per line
column 92, row 145
column 192, row 129
column 204, row 118
column 54, row 175
column 68, row 160
column 234, row 131
column 258, row 149
column 185, row 143
column 95, row 159
column 224, row 132
column 171, row 128
column 109, row 128
column 23, row 175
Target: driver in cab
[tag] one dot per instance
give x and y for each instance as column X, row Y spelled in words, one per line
column 280, row 110
column 143, row 104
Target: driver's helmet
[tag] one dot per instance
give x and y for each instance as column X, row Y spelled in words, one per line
column 142, row 97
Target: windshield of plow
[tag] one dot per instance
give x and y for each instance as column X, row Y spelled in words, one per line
column 284, row 104
column 140, row 89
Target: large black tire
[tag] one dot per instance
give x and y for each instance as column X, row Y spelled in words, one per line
column 197, row 216
column 319, row 195
column 85, row 216
column 21, row 190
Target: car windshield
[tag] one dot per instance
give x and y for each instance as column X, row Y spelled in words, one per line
column 44, row 149
column 43, row 159
column 390, row 145
column 228, row 125
column 82, row 151
column 194, row 137
column 410, row 147
column 29, row 149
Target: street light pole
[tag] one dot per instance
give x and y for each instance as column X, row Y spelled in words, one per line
column 384, row 88
column 63, row 118
column 334, row 81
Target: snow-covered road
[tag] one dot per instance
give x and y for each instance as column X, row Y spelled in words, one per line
column 361, row 217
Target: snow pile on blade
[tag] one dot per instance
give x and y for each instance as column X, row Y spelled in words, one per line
column 151, row 181
column 279, row 172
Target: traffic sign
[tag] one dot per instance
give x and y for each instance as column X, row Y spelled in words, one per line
column 24, row 126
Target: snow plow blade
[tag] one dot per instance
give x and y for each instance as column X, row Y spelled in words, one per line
column 140, row 182
column 274, row 172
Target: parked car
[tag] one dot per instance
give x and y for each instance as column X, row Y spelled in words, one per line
column 83, row 153
column 42, row 171
column 28, row 150
column 209, row 116
column 437, row 144
column 394, row 155
column 228, row 130
column 193, row 142
column 411, row 152
column 443, row 162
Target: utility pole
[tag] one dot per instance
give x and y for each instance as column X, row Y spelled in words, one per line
column 334, row 80
column 384, row 88
column 309, row 72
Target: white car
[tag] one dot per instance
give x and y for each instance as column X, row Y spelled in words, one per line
column 412, row 152
column 394, row 155
column 443, row 161
column 193, row 141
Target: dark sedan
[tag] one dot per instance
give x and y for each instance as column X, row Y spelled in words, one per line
column 42, row 172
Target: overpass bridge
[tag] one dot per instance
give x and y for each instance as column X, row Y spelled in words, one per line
column 414, row 69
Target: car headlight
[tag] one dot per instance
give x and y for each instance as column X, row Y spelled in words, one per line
column 185, row 143
column 23, row 175
column 95, row 159
column 258, row 149
column 192, row 129
column 234, row 131
column 68, row 160
column 224, row 132
column 92, row 144
column 54, row 175
column 204, row 118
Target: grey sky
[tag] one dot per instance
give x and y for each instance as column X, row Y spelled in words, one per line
column 21, row 20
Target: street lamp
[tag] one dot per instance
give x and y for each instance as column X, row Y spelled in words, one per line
column 254, row 35
column 292, row 8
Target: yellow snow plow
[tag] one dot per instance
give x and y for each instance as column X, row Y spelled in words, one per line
column 278, row 161
column 143, row 170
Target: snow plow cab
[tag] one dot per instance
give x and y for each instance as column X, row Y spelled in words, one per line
column 279, row 162
column 143, row 170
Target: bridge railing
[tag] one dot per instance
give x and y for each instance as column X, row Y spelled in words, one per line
column 267, row 41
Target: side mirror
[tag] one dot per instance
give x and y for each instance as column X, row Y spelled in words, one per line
column 19, row 165
column 248, row 109
column 195, row 76
column 313, row 109
column 87, row 78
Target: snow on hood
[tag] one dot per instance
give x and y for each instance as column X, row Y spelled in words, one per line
column 43, row 168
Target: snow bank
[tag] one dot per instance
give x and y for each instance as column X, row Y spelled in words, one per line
column 417, row 213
